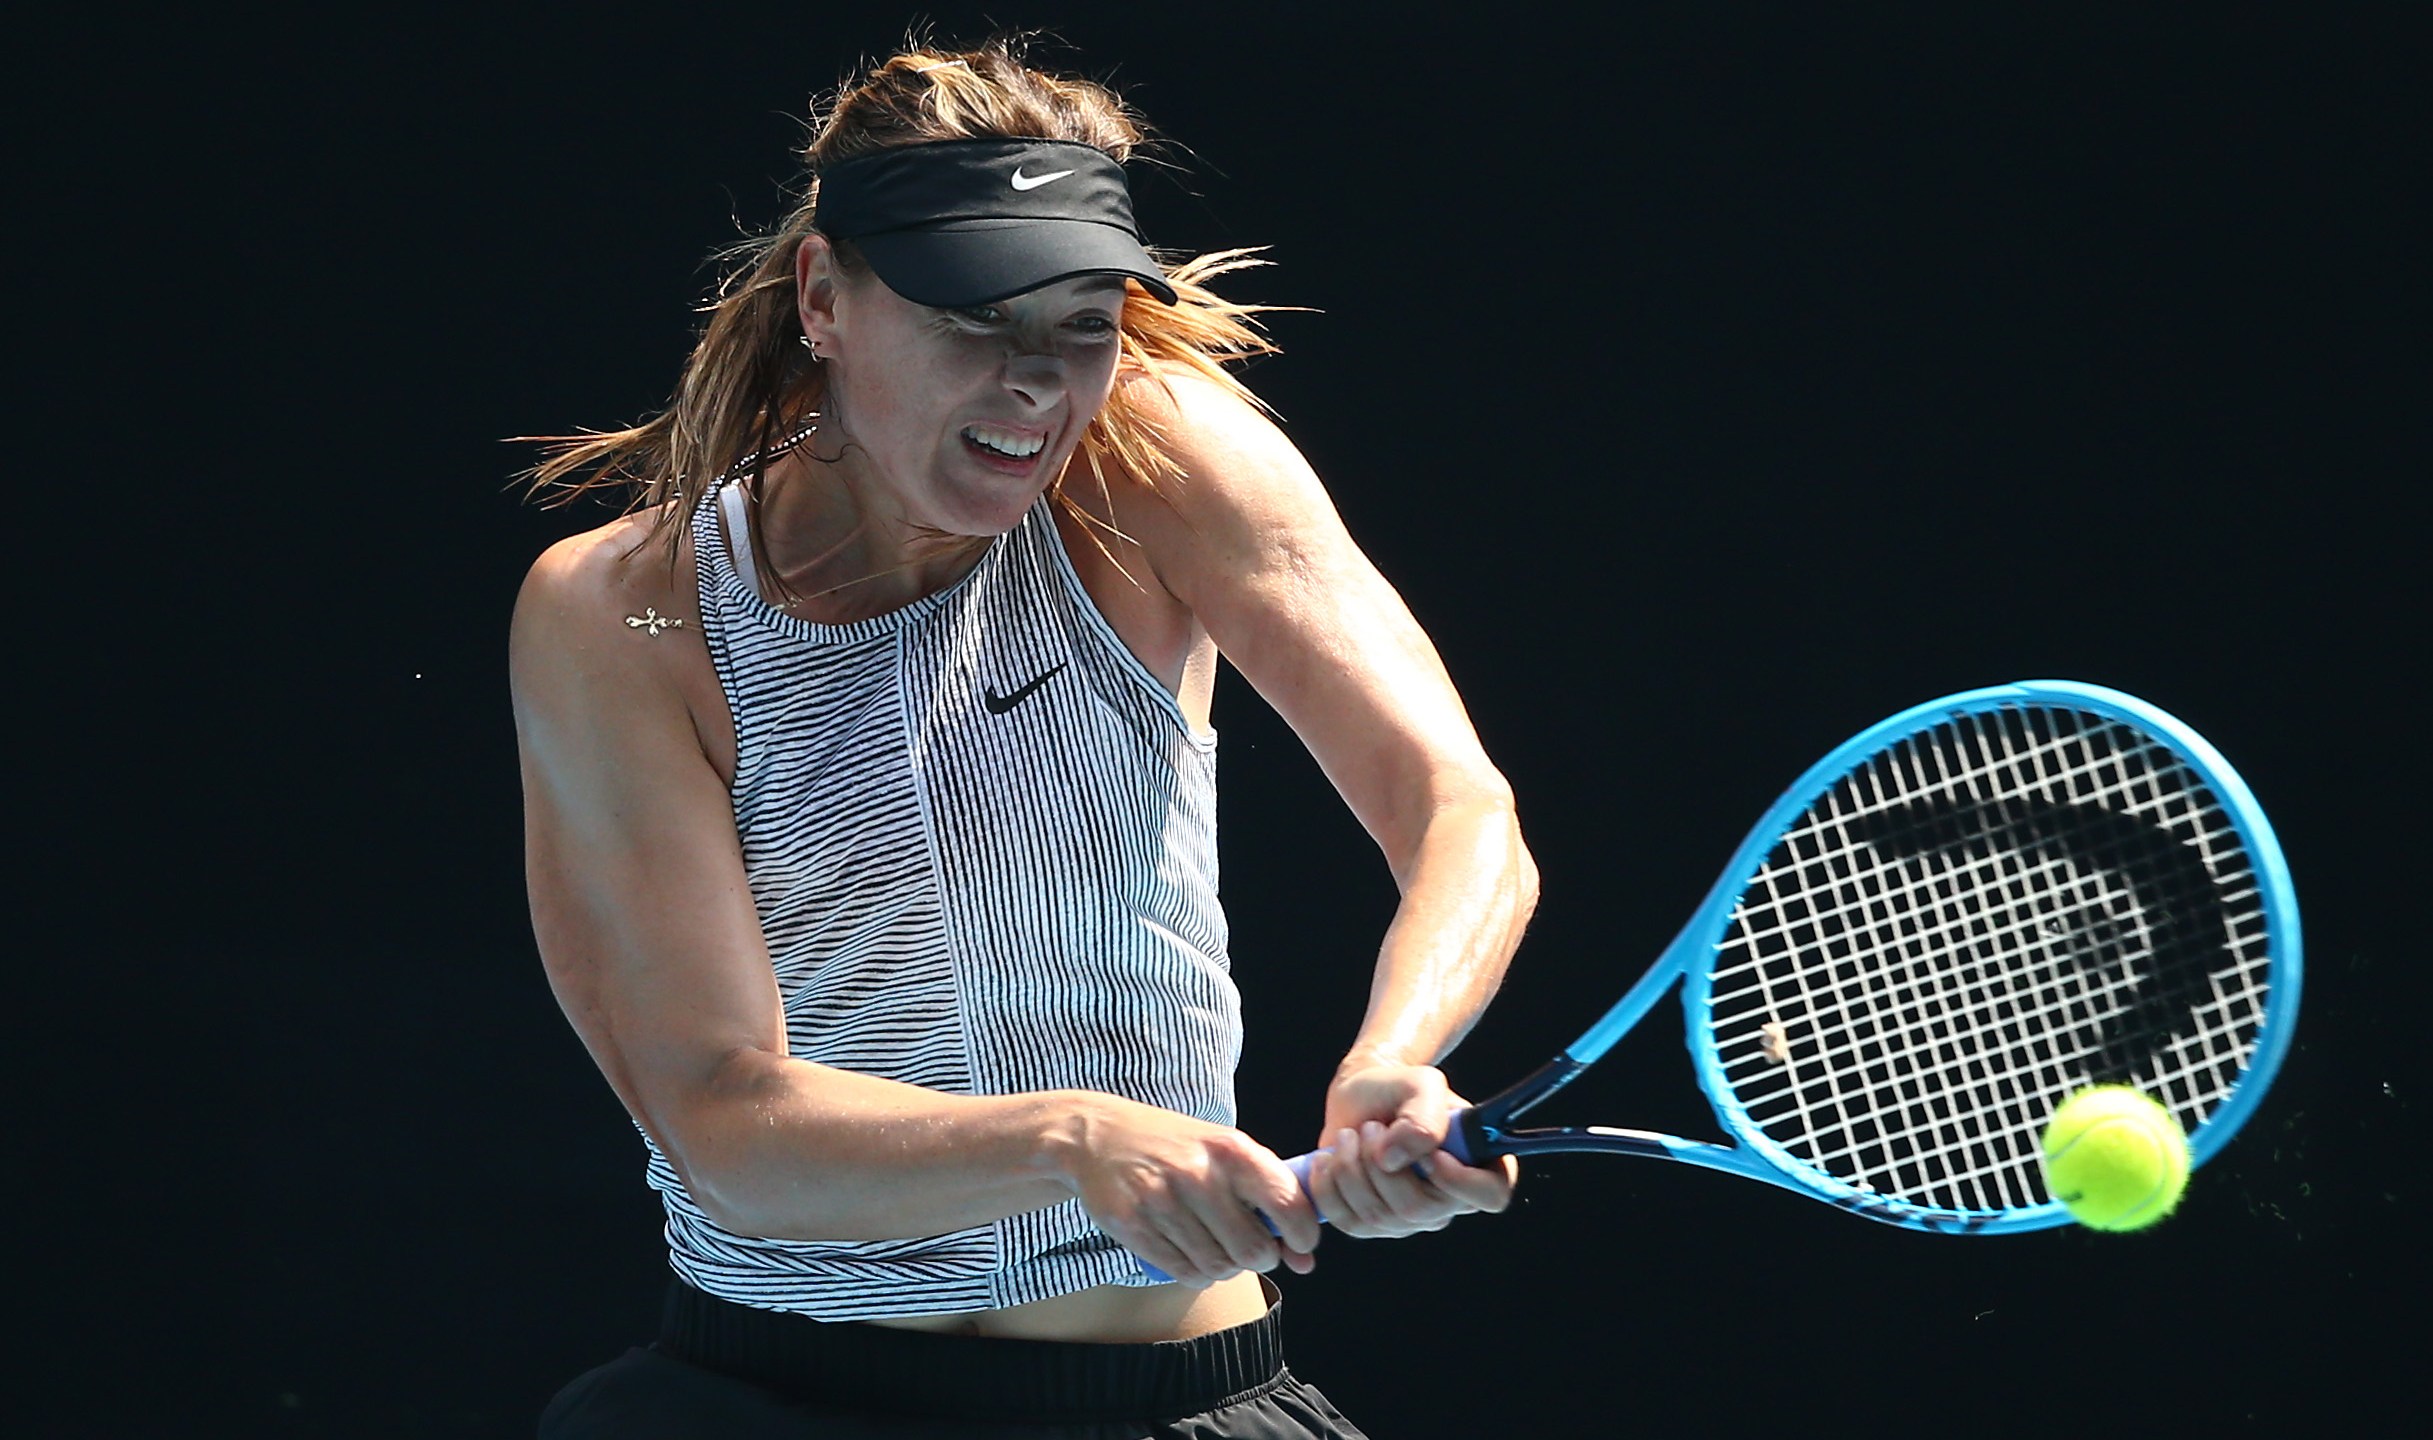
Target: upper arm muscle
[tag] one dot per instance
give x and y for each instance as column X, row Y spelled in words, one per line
column 1250, row 542
column 639, row 899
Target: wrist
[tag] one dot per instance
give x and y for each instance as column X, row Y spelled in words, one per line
column 1374, row 1056
column 1060, row 1141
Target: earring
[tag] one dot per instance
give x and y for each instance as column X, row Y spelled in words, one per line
column 807, row 345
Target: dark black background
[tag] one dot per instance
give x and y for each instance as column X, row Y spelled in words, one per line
column 1712, row 379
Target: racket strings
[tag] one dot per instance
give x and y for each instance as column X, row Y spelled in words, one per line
column 2087, row 1005
column 1978, row 921
column 1944, row 929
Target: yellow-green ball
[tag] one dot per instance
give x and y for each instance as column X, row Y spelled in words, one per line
column 2115, row 1158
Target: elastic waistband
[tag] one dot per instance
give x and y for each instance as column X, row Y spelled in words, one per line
column 916, row 1372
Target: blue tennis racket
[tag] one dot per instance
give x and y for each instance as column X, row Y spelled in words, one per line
column 1950, row 924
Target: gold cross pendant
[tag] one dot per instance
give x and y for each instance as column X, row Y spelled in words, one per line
column 651, row 620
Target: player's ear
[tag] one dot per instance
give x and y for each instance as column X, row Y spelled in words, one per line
column 818, row 275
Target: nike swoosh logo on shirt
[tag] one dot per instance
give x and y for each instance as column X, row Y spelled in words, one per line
column 1033, row 182
column 998, row 704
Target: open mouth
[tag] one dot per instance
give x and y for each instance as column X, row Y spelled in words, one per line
column 1005, row 447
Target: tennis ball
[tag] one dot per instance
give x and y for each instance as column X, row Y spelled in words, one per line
column 2115, row 1158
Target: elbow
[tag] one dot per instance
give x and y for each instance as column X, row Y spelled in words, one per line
column 726, row 1197
column 1525, row 881
column 713, row 1140
column 1495, row 812
column 740, row 1198
column 1524, row 871
column 1495, row 797
column 719, row 1186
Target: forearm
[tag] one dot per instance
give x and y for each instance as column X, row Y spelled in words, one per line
column 788, row 1149
column 1467, row 894
column 799, row 1151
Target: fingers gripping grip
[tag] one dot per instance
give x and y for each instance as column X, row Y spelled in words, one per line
column 1457, row 1144
column 1299, row 1165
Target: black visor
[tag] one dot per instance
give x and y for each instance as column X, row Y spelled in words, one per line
column 967, row 222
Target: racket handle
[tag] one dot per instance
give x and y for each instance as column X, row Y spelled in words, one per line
column 1457, row 1144
column 1299, row 1165
column 1458, row 1126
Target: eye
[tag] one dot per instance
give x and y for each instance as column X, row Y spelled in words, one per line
column 980, row 315
column 1097, row 327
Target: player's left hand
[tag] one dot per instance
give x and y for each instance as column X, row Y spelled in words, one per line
column 1382, row 1169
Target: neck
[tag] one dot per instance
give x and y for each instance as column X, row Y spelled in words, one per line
column 835, row 551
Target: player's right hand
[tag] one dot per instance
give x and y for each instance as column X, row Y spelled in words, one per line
column 1182, row 1194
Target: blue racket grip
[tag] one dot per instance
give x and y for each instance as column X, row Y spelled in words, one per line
column 1456, row 1144
column 1457, row 1136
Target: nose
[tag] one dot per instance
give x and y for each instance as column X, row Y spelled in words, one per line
column 1039, row 379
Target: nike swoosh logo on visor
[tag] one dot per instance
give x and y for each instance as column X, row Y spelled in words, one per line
column 1033, row 182
column 998, row 704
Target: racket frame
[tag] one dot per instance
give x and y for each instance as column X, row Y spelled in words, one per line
column 1486, row 1129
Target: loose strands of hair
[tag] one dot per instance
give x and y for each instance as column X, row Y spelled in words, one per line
column 749, row 379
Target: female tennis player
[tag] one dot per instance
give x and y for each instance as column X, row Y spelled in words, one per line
column 870, row 810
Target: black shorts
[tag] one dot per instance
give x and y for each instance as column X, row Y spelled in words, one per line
column 739, row 1373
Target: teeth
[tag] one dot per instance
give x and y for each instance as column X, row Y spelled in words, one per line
column 1005, row 442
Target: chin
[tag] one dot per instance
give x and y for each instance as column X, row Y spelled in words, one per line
column 994, row 504
column 983, row 513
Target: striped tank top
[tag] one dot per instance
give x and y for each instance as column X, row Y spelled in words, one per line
column 981, row 838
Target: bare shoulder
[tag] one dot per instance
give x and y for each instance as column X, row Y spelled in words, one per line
column 1225, row 452
column 1245, row 504
column 1249, row 539
column 605, row 622
column 589, row 583
column 1227, row 448
column 621, row 563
